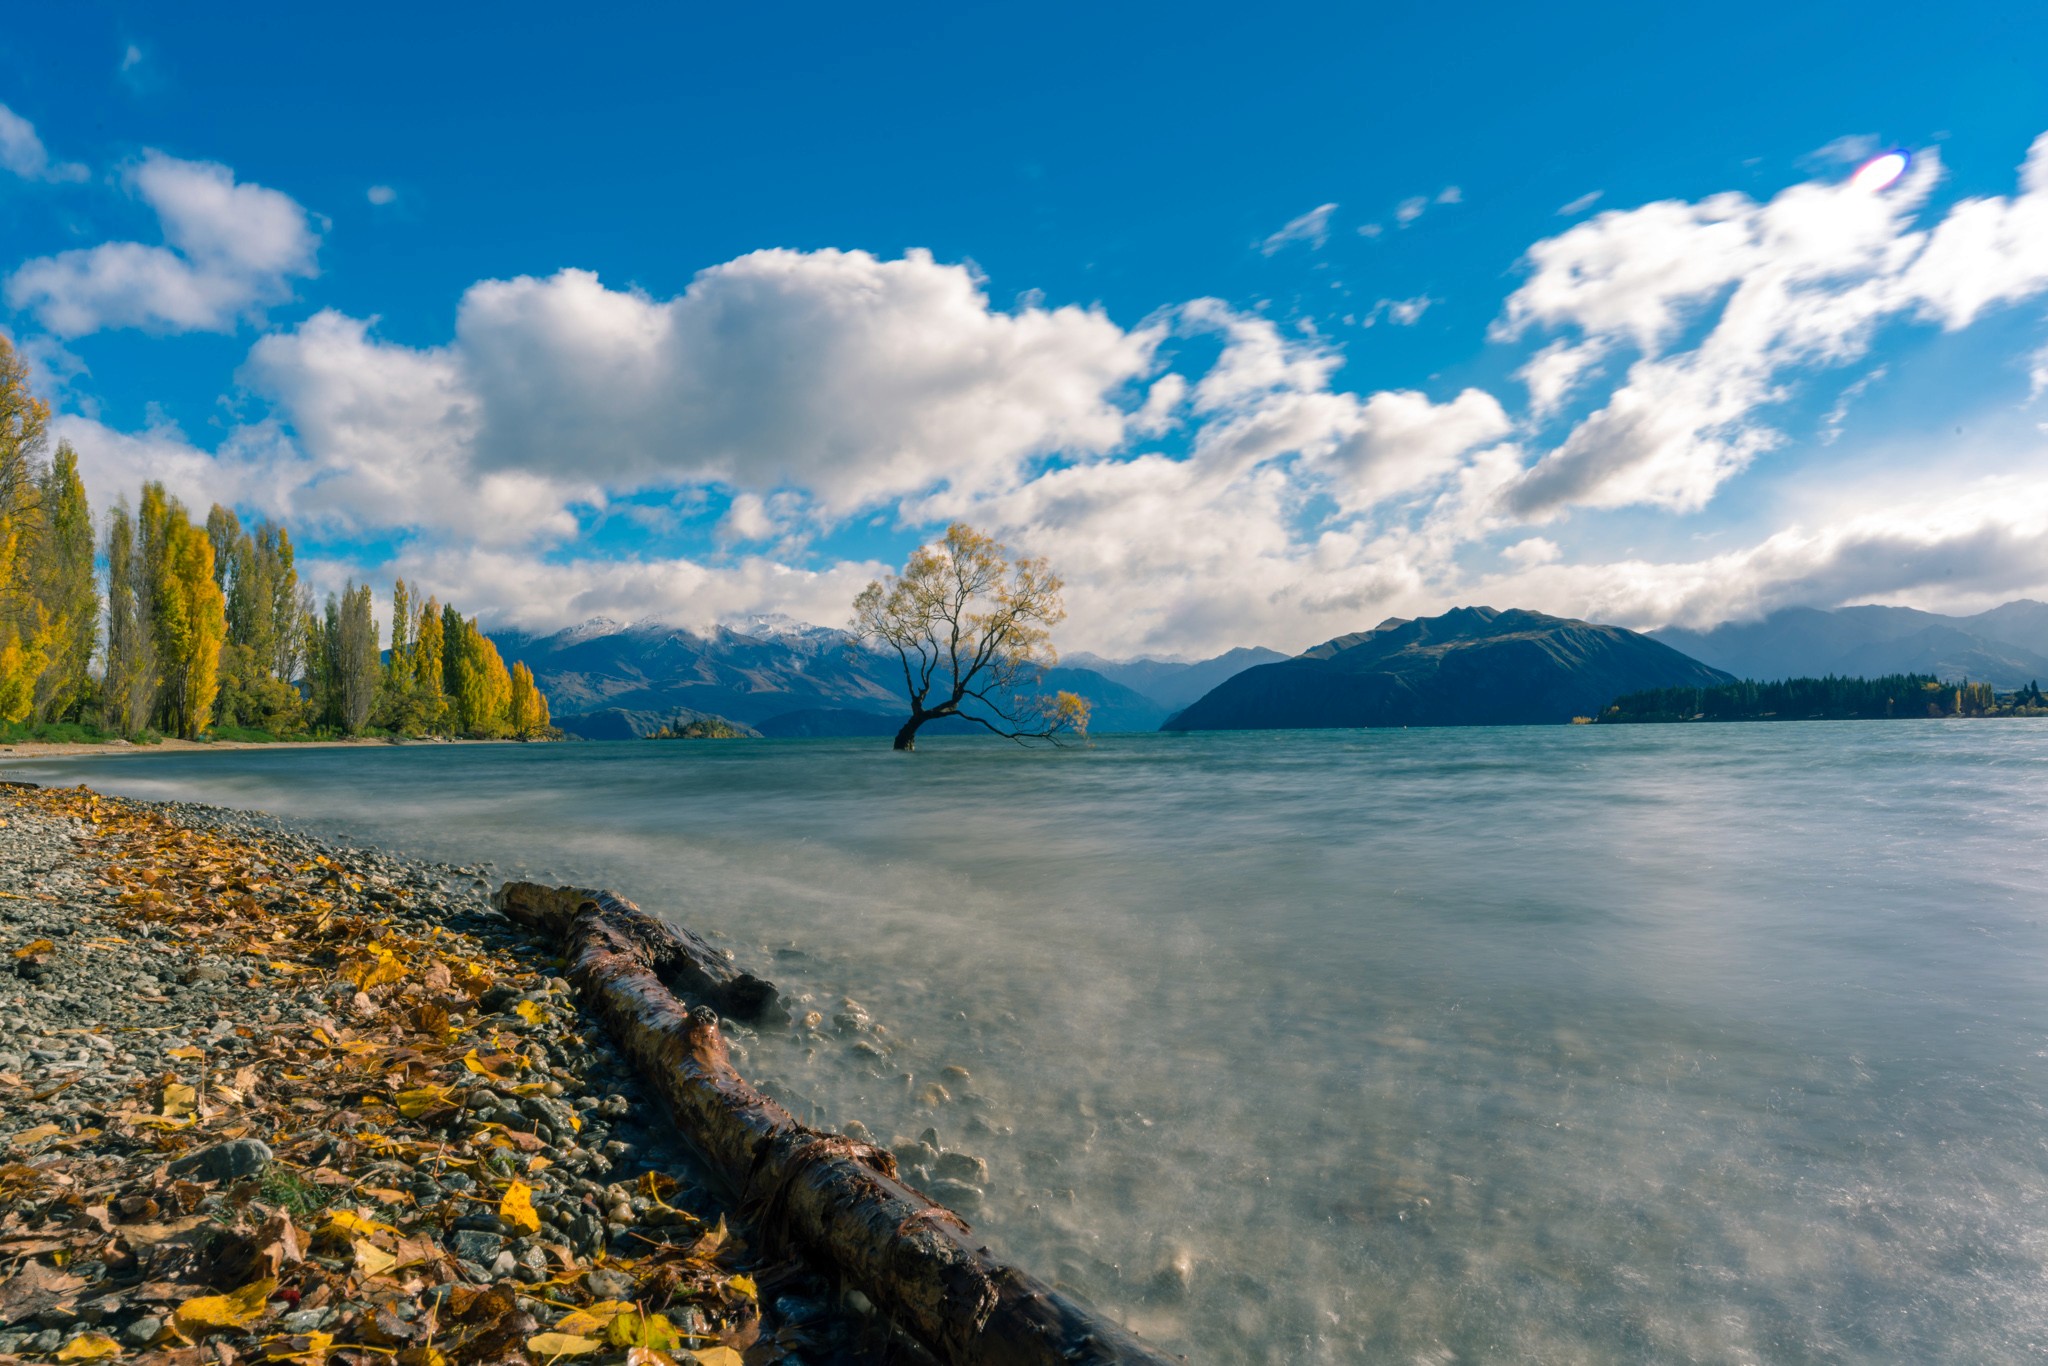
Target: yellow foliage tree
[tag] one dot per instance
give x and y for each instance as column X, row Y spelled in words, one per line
column 25, row 629
column 529, row 708
column 483, row 686
column 188, row 613
column 973, row 630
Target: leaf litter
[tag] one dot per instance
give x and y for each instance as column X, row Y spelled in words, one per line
column 385, row 1155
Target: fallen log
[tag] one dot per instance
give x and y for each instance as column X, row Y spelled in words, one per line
column 830, row 1197
column 687, row 965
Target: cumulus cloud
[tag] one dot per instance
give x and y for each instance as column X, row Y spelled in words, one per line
column 230, row 251
column 1775, row 288
column 1312, row 227
column 23, row 153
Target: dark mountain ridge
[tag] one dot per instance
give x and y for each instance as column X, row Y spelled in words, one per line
column 2006, row 647
column 1470, row 666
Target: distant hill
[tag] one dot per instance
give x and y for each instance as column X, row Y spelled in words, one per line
column 1471, row 666
column 609, row 680
column 2006, row 647
column 1175, row 683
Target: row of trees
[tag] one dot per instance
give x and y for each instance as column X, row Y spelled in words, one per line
column 1823, row 699
column 204, row 626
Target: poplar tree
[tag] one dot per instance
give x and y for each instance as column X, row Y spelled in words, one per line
column 429, row 651
column 483, row 687
column 25, row 629
column 128, row 680
column 528, row 713
column 64, row 583
column 356, row 657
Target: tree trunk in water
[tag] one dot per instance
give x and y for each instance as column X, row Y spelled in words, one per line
column 906, row 739
column 836, row 1200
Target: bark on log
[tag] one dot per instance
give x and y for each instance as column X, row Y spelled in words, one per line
column 686, row 964
column 835, row 1199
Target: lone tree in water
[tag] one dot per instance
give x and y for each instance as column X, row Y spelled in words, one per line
column 973, row 630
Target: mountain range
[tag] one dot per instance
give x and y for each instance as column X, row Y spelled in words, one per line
column 610, row 680
column 2006, row 647
column 1472, row 666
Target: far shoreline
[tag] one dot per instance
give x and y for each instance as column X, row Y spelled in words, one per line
column 84, row 749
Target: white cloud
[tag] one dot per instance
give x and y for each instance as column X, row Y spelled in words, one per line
column 1534, row 551
column 1399, row 312
column 2037, row 374
column 1370, row 230
column 1581, row 204
column 382, row 194
column 1312, row 227
column 23, row 153
column 230, row 251
column 1556, row 371
column 1799, row 282
column 1410, row 209
column 1450, row 194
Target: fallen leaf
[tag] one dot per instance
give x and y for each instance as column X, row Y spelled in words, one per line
column 30, row 951
column 90, row 1347
column 745, row 1285
column 372, row 1260
column 516, row 1208
column 185, row 1054
column 532, row 1012
column 195, row 1317
column 178, row 1100
column 635, row 1329
column 715, row 1356
column 560, row 1344
column 36, row 1135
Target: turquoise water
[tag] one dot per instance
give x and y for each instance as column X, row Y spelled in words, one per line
column 1577, row 1044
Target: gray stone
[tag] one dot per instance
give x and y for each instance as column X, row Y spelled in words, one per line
column 49, row 1340
column 305, row 1320
column 962, row 1167
column 610, row 1285
column 230, row 1161
column 955, row 1195
column 474, row 1245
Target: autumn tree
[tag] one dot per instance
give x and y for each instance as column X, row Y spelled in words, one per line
column 972, row 628
column 128, row 678
column 65, row 583
column 482, row 696
column 26, row 631
column 528, row 714
column 187, row 613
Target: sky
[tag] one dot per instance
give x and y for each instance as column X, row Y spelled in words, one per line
column 1261, row 324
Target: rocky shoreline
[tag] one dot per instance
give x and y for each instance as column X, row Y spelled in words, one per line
column 268, row 1097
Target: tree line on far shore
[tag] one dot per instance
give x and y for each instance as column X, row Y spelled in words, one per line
column 1826, row 699
column 205, row 628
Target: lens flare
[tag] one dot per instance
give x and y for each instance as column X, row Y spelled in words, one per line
column 1880, row 171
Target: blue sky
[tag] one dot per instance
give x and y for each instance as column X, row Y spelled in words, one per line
column 1262, row 325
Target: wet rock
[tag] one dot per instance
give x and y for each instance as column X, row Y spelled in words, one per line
column 956, row 1195
column 147, row 1330
column 230, row 1161
column 960, row 1166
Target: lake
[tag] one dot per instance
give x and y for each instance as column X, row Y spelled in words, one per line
column 1589, row 1044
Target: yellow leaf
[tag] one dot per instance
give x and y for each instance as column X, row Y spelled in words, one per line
column 745, row 1285
column 195, row 1317
column 35, row 1135
column 187, row 1053
column 517, row 1209
column 308, row 1349
column 178, row 1100
column 635, row 1329
column 40, row 946
column 372, row 1260
column 350, row 1225
column 413, row 1104
column 531, row 1011
column 90, row 1347
column 715, row 1356
column 584, row 1323
column 560, row 1344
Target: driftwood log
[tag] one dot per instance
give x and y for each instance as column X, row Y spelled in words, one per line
column 660, row 992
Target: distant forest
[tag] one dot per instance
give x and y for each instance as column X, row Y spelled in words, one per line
column 203, row 628
column 1895, row 696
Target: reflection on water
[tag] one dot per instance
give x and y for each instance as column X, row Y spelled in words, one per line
column 1714, row 1044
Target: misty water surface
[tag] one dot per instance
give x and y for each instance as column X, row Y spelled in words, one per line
column 1576, row 1044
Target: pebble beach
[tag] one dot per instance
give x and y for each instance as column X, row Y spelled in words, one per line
column 267, row 1097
